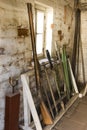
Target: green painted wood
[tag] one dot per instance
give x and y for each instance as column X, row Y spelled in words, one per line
column 66, row 74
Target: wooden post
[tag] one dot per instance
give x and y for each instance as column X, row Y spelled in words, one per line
column 31, row 102
column 12, row 111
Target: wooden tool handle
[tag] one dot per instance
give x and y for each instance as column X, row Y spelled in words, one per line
column 44, row 111
column 49, row 58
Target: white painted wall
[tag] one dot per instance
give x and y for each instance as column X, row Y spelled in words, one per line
column 15, row 52
column 84, row 42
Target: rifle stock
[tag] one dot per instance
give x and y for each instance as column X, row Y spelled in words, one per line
column 47, row 119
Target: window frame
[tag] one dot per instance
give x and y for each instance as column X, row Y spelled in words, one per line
column 39, row 8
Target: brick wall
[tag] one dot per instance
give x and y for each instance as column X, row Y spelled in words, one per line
column 84, row 43
column 15, row 51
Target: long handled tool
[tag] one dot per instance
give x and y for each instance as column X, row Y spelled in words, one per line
column 81, row 50
column 66, row 74
column 58, row 54
column 47, row 119
column 75, row 52
column 51, row 91
column 49, row 104
column 57, row 85
column 58, row 90
column 83, row 67
column 72, row 77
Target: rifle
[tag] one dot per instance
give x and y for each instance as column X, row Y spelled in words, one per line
column 47, row 119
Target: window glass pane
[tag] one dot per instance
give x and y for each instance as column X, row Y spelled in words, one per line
column 39, row 43
column 40, row 21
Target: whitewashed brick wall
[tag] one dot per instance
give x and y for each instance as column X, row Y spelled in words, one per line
column 84, row 42
column 83, row 1
column 15, row 52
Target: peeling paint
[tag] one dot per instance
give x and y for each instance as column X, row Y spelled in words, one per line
column 2, row 51
column 16, row 49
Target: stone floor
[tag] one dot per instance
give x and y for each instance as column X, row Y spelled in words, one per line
column 75, row 118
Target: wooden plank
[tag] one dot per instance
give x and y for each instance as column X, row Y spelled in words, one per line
column 31, row 103
column 69, row 104
column 26, row 110
column 37, row 66
column 72, row 78
column 12, row 111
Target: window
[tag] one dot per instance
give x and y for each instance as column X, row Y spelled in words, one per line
column 39, row 29
column 43, row 30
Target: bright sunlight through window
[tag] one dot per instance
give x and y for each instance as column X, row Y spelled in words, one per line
column 43, row 21
column 39, row 31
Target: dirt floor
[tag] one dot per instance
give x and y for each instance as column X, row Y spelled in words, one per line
column 75, row 118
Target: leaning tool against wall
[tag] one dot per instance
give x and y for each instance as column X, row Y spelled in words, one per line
column 44, row 111
column 66, row 72
column 57, row 85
